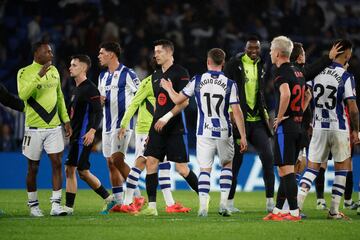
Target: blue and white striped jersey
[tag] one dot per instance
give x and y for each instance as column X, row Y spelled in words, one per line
column 213, row 93
column 330, row 89
column 119, row 88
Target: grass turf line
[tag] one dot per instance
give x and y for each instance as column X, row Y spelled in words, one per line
column 87, row 223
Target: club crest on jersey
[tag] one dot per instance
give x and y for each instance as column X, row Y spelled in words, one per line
column 162, row 99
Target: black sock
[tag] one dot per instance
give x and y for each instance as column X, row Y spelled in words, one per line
column 151, row 186
column 291, row 190
column 102, row 192
column 192, row 180
column 280, row 197
column 319, row 184
column 349, row 185
column 70, row 199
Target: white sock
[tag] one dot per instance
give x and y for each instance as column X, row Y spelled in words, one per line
column 109, row 198
column 118, row 194
column 33, row 199
column 338, row 190
column 307, row 179
column 165, row 182
column 152, row 205
column 276, row 210
column 321, row 200
column 285, row 208
column 348, row 201
column 204, row 189
column 132, row 182
column 295, row 212
column 56, row 197
column 230, row 203
column 269, row 201
column 137, row 192
column 225, row 185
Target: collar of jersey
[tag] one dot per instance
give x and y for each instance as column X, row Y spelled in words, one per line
column 215, row 72
column 247, row 59
column 335, row 64
column 37, row 65
column 118, row 68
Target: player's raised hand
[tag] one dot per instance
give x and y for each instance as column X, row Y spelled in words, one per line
column 166, row 84
column 243, row 145
column 89, row 137
column 44, row 69
column 335, row 51
column 121, row 133
column 68, row 130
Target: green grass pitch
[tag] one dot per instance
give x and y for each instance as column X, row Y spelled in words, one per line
column 87, row 223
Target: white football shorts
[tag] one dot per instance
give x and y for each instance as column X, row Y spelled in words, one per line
column 35, row 140
column 206, row 148
column 325, row 141
column 112, row 144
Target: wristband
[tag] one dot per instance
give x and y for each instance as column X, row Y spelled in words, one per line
column 167, row 116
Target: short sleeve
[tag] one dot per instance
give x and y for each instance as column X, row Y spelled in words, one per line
column 234, row 97
column 182, row 81
column 349, row 87
column 189, row 89
column 132, row 80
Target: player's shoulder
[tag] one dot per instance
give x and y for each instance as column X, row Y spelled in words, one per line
column 197, row 77
column 27, row 69
column 286, row 70
column 128, row 70
column 180, row 69
column 89, row 87
column 346, row 75
column 102, row 73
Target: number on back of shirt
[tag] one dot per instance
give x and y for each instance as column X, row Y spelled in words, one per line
column 297, row 103
column 209, row 97
column 319, row 91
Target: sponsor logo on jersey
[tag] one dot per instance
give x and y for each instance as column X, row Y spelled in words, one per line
column 162, row 99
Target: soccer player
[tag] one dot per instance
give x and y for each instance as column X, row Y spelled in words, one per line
column 214, row 93
column 247, row 70
column 40, row 88
column 333, row 90
column 117, row 85
column 144, row 103
column 85, row 114
column 166, row 137
column 289, row 85
column 298, row 58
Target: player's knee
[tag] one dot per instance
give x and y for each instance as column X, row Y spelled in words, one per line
column 82, row 174
column 227, row 164
column 110, row 163
column 182, row 169
column 70, row 171
column 56, row 165
column 118, row 157
column 33, row 168
column 151, row 166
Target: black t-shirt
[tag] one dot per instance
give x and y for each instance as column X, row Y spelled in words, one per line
column 179, row 77
column 287, row 73
column 85, row 110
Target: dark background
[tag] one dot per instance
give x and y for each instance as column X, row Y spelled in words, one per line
column 76, row 26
